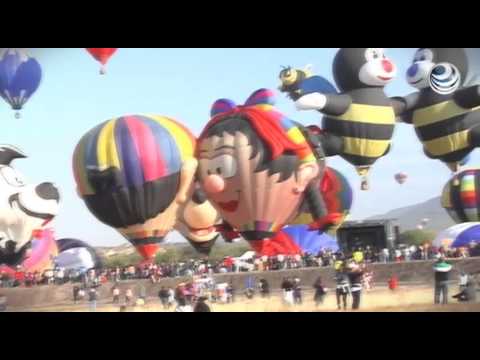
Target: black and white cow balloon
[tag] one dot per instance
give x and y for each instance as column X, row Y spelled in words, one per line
column 23, row 207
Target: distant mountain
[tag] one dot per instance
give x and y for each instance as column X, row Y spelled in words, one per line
column 411, row 216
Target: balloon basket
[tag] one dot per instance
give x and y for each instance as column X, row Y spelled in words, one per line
column 18, row 115
column 103, row 70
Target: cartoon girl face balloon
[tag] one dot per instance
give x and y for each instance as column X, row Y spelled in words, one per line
column 133, row 173
column 254, row 165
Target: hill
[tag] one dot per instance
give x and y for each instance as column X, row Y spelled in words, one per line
column 411, row 216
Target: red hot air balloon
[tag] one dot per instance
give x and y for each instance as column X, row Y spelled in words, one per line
column 102, row 55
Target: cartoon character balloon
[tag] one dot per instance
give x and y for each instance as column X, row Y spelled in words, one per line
column 133, row 173
column 338, row 196
column 24, row 208
column 462, row 200
column 251, row 159
column 20, row 77
column 197, row 222
column 445, row 111
column 359, row 121
column 102, row 55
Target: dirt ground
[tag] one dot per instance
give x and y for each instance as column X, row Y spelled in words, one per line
column 405, row 299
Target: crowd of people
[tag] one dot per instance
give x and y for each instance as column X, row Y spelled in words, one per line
column 155, row 272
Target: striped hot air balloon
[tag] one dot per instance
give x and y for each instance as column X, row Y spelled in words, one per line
column 127, row 172
column 337, row 194
column 461, row 196
column 461, row 235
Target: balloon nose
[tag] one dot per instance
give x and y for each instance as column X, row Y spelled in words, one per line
column 387, row 66
column 214, row 184
column 412, row 70
column 199, row 197
column 47, row 191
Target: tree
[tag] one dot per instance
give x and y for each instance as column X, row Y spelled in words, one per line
column 417, row 237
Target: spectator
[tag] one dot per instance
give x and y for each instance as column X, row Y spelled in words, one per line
column 355, row 275
column 201, row 306
column 442, row 271
column 342, row 288
column 182, row 306
column 264, row 288
column 297, row 292
column 92, row 298
column 76, row 290
column 230, row 293
column 171, row 297
column 164, row 295
column 287, row 287
column 320, row 292
column 116, row 294
column 128, row 296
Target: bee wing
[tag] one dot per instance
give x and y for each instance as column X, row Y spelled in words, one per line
column 472, row 80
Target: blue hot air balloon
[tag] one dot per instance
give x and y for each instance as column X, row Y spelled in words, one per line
column 20, row 76
column 308, row 241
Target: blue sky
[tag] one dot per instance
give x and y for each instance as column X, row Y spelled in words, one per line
column 183, row 83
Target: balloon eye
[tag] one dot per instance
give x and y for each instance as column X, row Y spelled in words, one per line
column 209, row 172
column 219, row 171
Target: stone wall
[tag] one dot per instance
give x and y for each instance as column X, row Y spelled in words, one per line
column 418, row 272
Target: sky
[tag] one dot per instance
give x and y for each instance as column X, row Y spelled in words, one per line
column 183, row 83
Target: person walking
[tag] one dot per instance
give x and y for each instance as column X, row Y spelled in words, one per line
column 128, row 296
column 442, row 271
column 76, row 290
column 297, row 292
column 264, row 288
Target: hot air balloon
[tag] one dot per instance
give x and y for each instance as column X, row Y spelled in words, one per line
column 461, row 235
column 20, row 77
column 196, row 222
column 338, row 196
column 75, row 254
column 133, row 173
column 41, row 254
column 359, row 120
column 250, row 158
column 461, row 196
column 445, row 110
column 401, row 178
column 102, row 55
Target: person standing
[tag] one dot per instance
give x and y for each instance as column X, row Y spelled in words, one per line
column 320, row 292
column 128, row 296
column 92, row 298
column 116, row 294
column 163, row 295
column 297, row 292
column 355, row 276
column 76, row 290
column 264, row 288
column 442, row 271
column 201, row 305
column 287, row 287
column 342, row 287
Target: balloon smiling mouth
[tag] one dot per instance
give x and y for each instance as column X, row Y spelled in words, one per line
column 230, row 206
column 14, row 200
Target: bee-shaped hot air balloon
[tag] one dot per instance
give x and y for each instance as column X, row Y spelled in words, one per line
column 359, row 122
column 133, row 173
column 445, row 111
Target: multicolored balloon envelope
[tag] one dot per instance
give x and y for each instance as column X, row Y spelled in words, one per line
column 20, row 77
column 295, row 240
column 461, row 235
column 128, row 171
column 337, row 193
column 461, row 196
column 41, row 255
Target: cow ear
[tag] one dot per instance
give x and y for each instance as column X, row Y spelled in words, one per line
column 8, row 153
